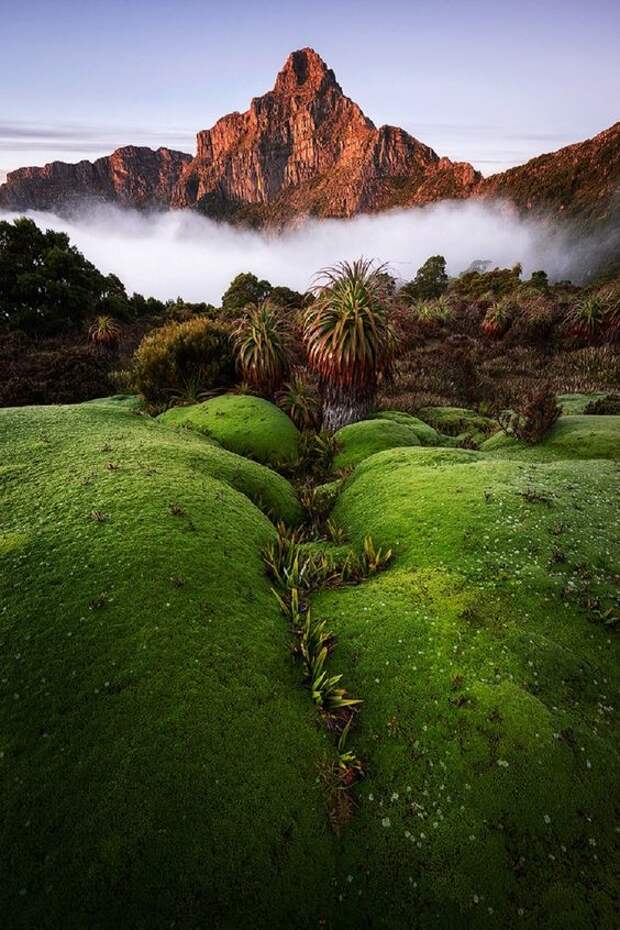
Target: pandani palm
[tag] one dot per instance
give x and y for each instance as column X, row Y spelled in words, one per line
column 263, row 347
column 349, row 340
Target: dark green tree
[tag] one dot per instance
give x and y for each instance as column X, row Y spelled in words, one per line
column 47, row 285
column 540, row 280
column 243, row 290
column 431, row 280
column 287, row 298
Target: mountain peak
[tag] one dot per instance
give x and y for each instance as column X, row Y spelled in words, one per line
column 304, row 71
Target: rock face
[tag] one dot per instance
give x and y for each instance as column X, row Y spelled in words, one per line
column 581, row 181
column 131, row 176
column 304, row 148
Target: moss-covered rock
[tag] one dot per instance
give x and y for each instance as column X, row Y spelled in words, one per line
column 425, row 433
column 572, row 437
column 455, row 420
column 250, row 426
column 360, row 440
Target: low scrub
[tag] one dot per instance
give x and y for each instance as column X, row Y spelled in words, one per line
column 183, row 361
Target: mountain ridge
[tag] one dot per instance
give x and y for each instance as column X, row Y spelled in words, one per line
column 306, row 149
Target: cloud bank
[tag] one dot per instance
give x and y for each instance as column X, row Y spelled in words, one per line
column 180, row 253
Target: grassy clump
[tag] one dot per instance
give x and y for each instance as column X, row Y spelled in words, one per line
column 487, row 668
column 572, row 437
column 158, row 754
column 360, row 440
column 250, row 426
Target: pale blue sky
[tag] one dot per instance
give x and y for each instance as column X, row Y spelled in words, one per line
column 490, row 83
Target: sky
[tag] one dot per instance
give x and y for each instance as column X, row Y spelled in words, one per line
column 493, row 83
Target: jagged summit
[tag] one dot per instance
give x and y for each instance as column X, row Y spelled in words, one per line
column 304, row 71
column 305, row 148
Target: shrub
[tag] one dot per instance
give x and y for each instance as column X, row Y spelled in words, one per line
column 608, row 405
column 196, row 352
column 536, row 417
column 474, row 285
column 50, row 372
column 432, row 312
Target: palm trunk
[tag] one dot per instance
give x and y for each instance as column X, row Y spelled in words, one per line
column 343, row 405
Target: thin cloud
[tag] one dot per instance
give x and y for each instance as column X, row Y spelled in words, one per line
column 81, row 137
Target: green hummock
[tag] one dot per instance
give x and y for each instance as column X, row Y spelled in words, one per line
column 456, row 420
column 577, row 403
column 489, row 679
column 425, row 433
column 359, row 440
column 244, row 424
column 160, row 755
column 158, row 752
column 572, row 437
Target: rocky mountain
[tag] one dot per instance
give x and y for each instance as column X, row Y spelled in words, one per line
column 132, row 176
column 304, row 148
column 581, row 181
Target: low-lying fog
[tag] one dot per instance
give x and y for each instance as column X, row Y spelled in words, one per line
column 180, row 253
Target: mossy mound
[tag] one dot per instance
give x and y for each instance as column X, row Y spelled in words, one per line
column 572, row 404
column 250, row 426
column 158, row 751
column 360, row 440
column 572, row 437
column 489, row 676
column 425, row 433
column 456, row 420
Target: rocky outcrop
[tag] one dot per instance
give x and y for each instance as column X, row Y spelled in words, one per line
column 132, row 176
column 304, row 148
column 580, row 182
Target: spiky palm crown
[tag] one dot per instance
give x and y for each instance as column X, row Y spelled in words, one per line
column 498, row 317
column 299, row 398
column 263, row 348
column 348, row 336
column 104, row 329
column 587, row 317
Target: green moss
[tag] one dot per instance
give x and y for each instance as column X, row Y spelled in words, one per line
column 577, row 403
column 160, row 755
column 425, row 433
column 572, row 437
column 485, row 675
column 243, row 424
column 360, row 440
column 158, row 751
column 455, row 420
